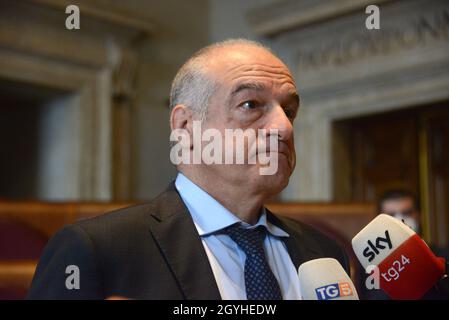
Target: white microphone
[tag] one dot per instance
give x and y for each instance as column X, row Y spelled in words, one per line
column 325, row 279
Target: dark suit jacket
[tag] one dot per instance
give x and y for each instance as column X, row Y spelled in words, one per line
column 150, row 251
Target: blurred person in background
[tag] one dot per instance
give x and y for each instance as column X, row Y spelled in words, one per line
column 403, row 205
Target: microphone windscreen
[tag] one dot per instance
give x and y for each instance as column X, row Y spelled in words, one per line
column 407, row 268
column 325, row 279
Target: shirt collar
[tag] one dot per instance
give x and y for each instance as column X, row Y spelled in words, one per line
column 209, row 215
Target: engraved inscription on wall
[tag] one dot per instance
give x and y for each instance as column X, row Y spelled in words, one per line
column 362, row 44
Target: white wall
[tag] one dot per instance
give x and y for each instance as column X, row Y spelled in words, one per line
column 180, row 30
column 59, row 150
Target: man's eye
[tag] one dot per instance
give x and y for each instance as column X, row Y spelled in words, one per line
column 249, row 105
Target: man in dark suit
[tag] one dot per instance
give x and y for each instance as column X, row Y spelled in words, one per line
column 208, row 235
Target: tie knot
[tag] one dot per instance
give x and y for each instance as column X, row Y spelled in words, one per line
column 249, row 240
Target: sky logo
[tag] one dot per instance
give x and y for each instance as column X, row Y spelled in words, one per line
column 333, row 291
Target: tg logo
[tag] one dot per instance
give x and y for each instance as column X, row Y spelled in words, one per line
column 333, row 291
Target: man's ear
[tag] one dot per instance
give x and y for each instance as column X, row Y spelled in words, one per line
column 181, row 117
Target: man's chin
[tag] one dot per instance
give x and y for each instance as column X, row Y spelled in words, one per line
column 273, row 184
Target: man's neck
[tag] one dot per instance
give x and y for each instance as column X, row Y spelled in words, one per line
column 245, row 206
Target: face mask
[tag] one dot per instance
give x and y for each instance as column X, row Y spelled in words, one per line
column 409, row 221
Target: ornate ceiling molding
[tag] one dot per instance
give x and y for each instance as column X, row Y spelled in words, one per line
column 105, row 11
column 283, row 15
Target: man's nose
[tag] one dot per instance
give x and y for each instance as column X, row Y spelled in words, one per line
column 277, row 119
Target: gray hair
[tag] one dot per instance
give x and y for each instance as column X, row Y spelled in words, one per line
column 192, row 85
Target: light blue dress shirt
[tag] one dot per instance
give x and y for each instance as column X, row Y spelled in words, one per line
column 227, row 260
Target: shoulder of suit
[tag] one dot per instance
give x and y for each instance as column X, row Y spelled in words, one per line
column 128, row 215
column 119, row 214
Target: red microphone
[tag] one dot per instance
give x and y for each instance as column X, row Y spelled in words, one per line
column 407, row 267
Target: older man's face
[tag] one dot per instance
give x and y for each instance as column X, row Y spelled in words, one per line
column 255, row 91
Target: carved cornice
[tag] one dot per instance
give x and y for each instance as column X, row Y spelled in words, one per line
column 283, row 15
column 37, row 27
column 104, row 11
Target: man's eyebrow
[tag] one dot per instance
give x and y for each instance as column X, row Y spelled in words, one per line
column 257, row 86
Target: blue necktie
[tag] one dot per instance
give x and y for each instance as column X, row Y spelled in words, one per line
column 260, row 281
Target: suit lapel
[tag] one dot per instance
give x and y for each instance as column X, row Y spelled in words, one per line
column 173, row 229
column 299, row 247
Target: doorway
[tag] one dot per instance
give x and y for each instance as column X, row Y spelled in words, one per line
column 407, row 149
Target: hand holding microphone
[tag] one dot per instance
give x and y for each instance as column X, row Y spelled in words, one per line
column 407, row 267
column 325, row 279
